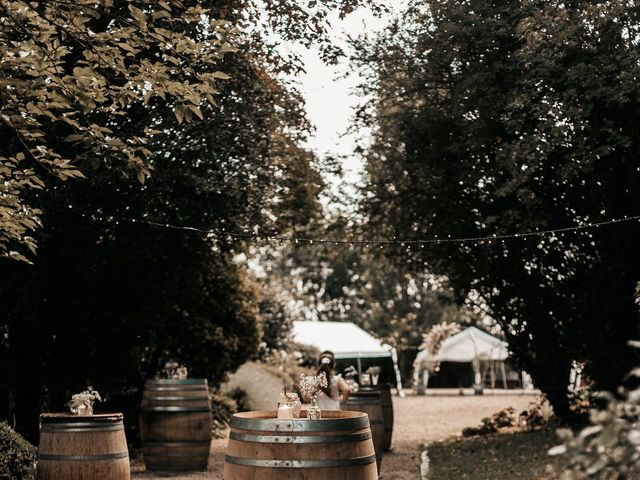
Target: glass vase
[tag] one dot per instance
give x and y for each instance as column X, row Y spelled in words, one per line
column 314, row 412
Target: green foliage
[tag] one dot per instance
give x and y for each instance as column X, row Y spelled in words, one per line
column 504, row 418
column 17, row 456
column 306, row 356
column 353, row 284
column 241, row 399
column 342, row 283
column 222, row 408
column 538, row 415
column 276, row 325
column 499, row 118
column 110, row 300
column 608, row 448
column 71, row 71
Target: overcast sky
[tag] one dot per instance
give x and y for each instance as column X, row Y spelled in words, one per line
column 331, row 97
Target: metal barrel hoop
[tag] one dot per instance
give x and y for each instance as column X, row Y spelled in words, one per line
column 83, row 458
column 300, row 425
column 172, row 409
column 294, row 439
column 329, row 463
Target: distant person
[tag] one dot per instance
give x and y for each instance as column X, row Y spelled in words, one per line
column 337, row 390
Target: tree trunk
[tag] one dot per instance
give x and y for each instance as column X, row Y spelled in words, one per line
column 25, row 379
column 553, row 381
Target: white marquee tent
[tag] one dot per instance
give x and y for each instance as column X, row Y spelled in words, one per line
column 345, row 340
column 472, row 345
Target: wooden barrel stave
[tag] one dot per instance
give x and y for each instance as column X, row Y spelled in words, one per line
column 387, row 412
column 369, row 402
column 241, row 472
column 285, row 450
column 176, row 424
column 82, row 448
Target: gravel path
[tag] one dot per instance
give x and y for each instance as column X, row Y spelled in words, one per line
column 419, row 421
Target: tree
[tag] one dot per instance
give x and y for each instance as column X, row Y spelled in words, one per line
column 353, row 283
column 71, row 71
column 502, row 118
column 118, row 286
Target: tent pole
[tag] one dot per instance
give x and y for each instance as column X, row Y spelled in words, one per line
column 394, row 357
column 493, row 376
column 359, row 368
column 504, row 375
column 478, row 377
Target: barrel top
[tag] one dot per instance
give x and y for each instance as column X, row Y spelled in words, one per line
column 172, row 381
column 380, row 386
column 332, row 420
column 369, row 393
column 70, row 417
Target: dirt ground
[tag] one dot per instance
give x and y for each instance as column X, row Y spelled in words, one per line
column 419, row 421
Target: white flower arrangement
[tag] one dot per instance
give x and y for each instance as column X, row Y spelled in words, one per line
column 82, row 403
column 288, row 398
column 311, row 384
column 350, row 372
column 374, row 373
column 175, row 372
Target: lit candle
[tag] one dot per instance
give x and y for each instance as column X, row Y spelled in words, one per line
column 285, row 412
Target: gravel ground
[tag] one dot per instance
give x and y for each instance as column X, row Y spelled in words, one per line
column 419, row 421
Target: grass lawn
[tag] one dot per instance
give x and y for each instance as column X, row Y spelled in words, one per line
column 511, row 456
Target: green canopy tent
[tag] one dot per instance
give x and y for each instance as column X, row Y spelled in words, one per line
column 348, row 342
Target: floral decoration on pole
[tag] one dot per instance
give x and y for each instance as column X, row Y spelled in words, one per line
column 432, row 343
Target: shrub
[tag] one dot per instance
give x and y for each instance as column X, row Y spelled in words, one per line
column 241, row 399
column 222, row 408
column 487, row 427
column 537, row 416
column 581, row 401
column 306, row 355
column 17, row 456
column 261, row 383
column 502, row 419
column 607, row 449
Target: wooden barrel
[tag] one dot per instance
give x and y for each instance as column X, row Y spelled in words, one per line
column 369, row 401
column 387, row 412
column 82, row 447
column 336, row 447
column 176, row 424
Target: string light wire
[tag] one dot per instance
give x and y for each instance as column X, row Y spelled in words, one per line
column 382, row 242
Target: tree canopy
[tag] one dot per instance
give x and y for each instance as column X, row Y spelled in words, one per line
column 353, row 283
column 507, row 117
column 70, row 72
column 117, row 288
